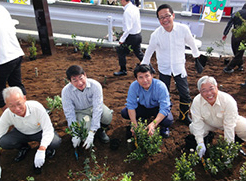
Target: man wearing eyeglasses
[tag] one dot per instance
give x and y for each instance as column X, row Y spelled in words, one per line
column 82, row 99
column 168, row 41
column 213, row 109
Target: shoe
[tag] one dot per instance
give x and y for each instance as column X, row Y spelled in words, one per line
column 22, row 153
column 50, row 153
column 123, row 72
column 164, row 132
column 228, row 71
column 37, row 170
column 103, row 136
column 240, row 68
column 187, row 120
column 243, row 85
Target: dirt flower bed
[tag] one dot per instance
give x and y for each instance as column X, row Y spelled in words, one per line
column 51, row 79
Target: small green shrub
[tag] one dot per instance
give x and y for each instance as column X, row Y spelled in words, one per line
column 184, row 166
column 33, row 51
column 242, row 172
column 78, row 128
column 145, row 144
column 86, row 47
column 55, row 103
column 221, row 155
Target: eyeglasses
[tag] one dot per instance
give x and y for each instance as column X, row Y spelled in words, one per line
column 165, row 17
column 211, row 89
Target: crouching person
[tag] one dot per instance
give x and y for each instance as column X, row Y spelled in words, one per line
column 213, row 109
column 148, row 97
column 30, row 123
column 83, row 97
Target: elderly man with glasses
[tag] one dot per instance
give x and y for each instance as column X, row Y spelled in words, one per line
column 213, row 109
column 168, row 41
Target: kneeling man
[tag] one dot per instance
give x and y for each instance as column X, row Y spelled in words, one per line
column 213, row 109
column 30, row 122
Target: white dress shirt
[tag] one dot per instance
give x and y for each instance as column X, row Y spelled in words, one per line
column 35, row 120
column 92, row 96
column 170, row 49
column 222, row 115
column 9, row 46
column 131, row 21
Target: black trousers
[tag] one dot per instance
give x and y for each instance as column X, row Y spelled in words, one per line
column 181, row 84
column 134, row 41
column 238, row 55
column 145, row 113
column 16, row 140
column 11, row 72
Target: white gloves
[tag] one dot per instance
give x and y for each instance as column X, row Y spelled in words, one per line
column 89, row 140
column 39, row 158
column 76, row 141
column 202, row 150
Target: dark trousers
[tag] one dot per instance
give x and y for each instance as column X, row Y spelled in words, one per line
column 16, row 140
column 11, row 72
column 181, row 84
column 123, row 50
column 238, row 55
column 145, row 113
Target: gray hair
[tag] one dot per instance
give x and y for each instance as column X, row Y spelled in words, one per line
column 7, row 92
column 206, row 79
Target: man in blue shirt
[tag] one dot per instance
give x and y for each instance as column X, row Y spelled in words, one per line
column 148, row 97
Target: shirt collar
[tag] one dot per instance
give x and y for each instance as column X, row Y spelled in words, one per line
column 28, row 112
column 217, row 101
column 88, row 85
column 174, row 28
column 128, row 4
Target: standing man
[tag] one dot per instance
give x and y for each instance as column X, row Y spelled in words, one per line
column 30, row 122
column 10, row 55
column 213, row 109
column 148, row 97
column 168, row 41
column 235, row 42
column 83, row 97
column 131, row 37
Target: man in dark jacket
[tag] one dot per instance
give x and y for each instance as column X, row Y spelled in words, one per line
column 235, row 41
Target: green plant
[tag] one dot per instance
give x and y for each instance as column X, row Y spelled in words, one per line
column 184, row 167
column 209, row 51
column 74, row 41
column 86, row 47
column 29, row 178
column 145, row 144
column 55, row 103
column 242, row 46
column 30, row 40
column 240, row 31
column 242, row 172
column 221, row 155
column 78, row 128
column 33, row 51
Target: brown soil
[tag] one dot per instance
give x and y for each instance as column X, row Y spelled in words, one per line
column 50, row 81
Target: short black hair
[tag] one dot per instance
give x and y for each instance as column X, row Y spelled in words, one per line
column 164, row 6
column 74, row 70
column 142, row 68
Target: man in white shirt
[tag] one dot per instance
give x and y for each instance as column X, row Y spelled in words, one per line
column 31, row 123
column 213, row 109
column 83, row 98
column 168, row 41
column 131, row 35
column 10, row 55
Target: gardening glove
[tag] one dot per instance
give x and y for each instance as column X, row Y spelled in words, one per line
column 201, row 149
column 39, row 158
column 76, row 141
column 89, row 140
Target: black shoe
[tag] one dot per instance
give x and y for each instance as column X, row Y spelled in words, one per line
column 123, row 72
column 240, row 68
column 227, row 70
column 50, row 153
column 186, row 120
column 243, row 85
column 164, row 132
column 37, row 170
column 22, row 153
column 103, row 136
